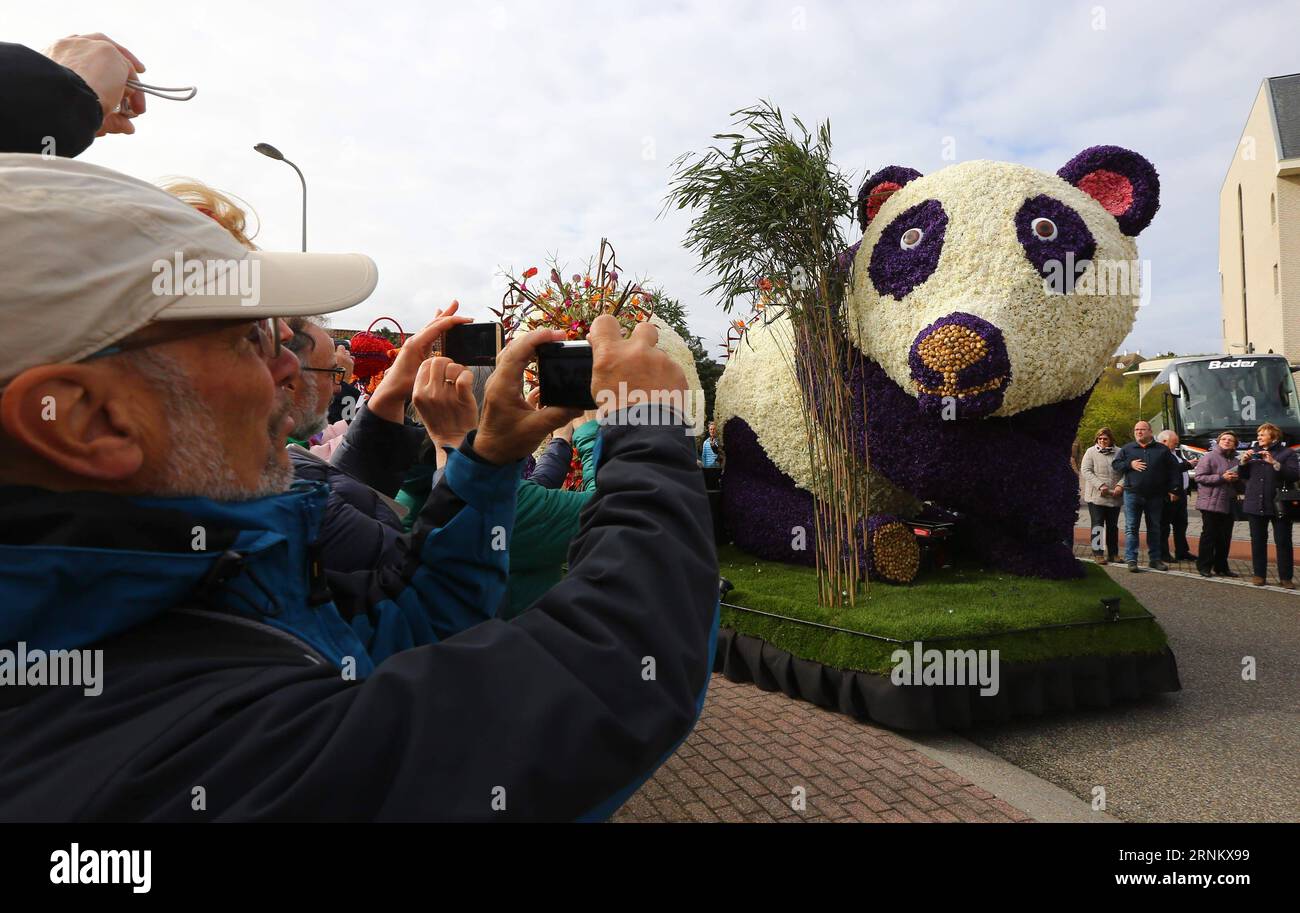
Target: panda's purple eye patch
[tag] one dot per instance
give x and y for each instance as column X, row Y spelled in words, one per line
column 1056, row 241
column 907, row 252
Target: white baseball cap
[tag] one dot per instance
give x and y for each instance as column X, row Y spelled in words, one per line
column 89, row 255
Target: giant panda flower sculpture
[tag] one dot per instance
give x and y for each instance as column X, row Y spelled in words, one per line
column 987, row 298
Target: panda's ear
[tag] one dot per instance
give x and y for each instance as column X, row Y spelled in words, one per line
column 1123, row 182
column 878, row 187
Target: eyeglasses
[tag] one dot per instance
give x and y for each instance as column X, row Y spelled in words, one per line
column 339, row 373
column 264, row 333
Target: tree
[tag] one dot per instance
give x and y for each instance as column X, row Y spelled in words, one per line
column 1114, row 405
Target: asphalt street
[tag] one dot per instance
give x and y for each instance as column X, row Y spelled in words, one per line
column 1222, row 749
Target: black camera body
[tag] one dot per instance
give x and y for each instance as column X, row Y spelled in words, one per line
column 473, row 344
column 564, row 374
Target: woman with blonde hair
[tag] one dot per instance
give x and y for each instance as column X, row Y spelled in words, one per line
column 1266, row 467
column 219, row 207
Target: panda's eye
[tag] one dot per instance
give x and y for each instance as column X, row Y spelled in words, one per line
column 1043, row 229
column 911, row 238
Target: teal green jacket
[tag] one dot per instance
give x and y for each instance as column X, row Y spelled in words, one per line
column 546, row 521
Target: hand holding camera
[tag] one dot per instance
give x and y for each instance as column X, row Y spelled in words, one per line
column 621, row 367
column 390, row 397
column 510, row 428
column 444, row 398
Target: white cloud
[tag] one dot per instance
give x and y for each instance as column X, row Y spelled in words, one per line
column 450, row 140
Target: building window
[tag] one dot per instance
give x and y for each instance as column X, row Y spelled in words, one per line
column 1272, row 207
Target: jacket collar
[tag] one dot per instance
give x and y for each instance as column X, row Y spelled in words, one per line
column 78, row 567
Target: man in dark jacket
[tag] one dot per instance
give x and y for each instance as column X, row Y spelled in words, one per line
column 1174, row 516
column 362, row 524
column 56, row 103
column 1265, row 468
column 1152, row 479
column 236, row 684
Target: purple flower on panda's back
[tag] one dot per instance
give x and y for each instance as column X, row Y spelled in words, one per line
column 907, row 252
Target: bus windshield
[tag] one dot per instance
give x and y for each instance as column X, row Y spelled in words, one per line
column 1236, row 393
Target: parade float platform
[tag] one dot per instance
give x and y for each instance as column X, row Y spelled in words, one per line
column 1060, row 647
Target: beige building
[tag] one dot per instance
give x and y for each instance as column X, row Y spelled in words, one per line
column 1259, row 228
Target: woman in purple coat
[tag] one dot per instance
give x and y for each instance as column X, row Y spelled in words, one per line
column 1217, row 481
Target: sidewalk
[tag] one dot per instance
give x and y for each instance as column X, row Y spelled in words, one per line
column 1238, row 550
column 752, row 748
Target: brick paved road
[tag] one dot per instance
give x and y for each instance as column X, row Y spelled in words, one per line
column 751, row 748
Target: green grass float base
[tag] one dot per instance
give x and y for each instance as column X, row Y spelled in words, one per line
column 1057, row 648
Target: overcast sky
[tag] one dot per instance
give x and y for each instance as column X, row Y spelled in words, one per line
column 449, row 141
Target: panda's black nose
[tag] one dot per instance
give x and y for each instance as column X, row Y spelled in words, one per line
column 960, row 366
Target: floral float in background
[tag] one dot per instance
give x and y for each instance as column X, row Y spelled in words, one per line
column 573, row 303
column 972, row 360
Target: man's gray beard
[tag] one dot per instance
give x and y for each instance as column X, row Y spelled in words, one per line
column 307, row 425
column 197, row 464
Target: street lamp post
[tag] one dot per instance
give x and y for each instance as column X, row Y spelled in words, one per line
column 271, row 152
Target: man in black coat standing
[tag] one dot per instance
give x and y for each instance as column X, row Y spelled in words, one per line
column 1175, row 513
column 1152, row 478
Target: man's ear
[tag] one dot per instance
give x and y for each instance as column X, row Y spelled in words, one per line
column 76, row 418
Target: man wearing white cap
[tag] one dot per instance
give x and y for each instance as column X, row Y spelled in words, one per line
column 210, row 650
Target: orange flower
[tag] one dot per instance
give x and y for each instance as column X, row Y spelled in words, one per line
column 765, row 284
column 530, row 272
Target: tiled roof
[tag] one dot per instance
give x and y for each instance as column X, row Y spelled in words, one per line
column 1285, row 91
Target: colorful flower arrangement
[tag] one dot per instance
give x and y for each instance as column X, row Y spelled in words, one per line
column 573, row 304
